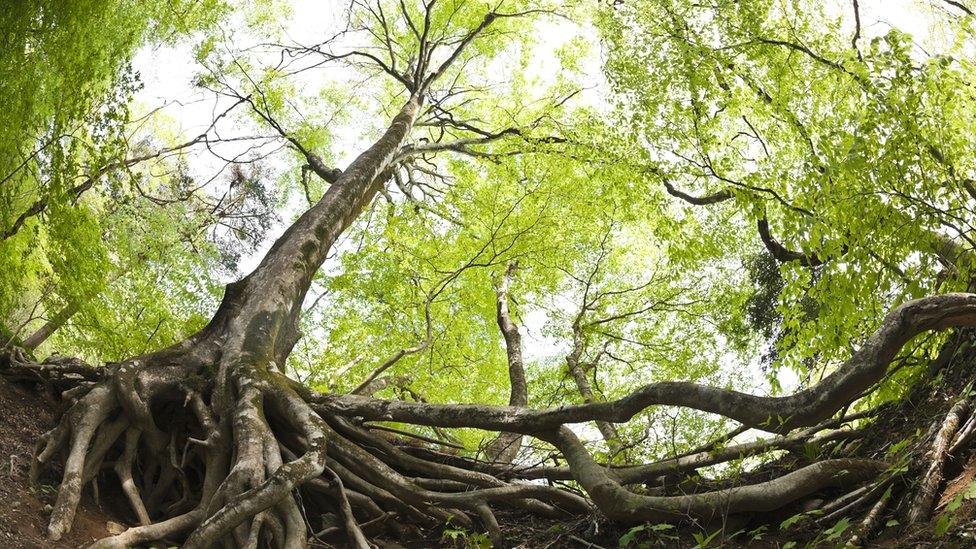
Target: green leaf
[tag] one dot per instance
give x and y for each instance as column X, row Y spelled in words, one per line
column 837, row 529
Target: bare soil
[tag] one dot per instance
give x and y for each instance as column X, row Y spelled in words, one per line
column 24, row 416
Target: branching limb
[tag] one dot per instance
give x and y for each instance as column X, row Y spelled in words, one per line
column 774, row 414
column 780, row 252
column 75, row 192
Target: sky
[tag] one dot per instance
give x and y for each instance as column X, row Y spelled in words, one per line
column 167, row 73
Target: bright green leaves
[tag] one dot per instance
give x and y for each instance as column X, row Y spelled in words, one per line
column 70, row 242
column 854, row 158
column 522, row 154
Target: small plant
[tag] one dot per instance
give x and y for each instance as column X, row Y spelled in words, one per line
column 758, row 533
column 703, row 541
column 460, row 537
column 948, row 518
column 629, row 539
column 837, row 529
column 798, row 517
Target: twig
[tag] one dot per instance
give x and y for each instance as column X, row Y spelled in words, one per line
column 585, row 543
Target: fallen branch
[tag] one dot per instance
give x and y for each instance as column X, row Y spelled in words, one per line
column 871, row 520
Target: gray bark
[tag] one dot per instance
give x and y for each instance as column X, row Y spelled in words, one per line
column 606, row 428
column 807, row 407
column 506, row 446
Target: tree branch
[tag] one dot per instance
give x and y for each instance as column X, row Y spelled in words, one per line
column 774, row 414
column 782, row 253
column 714, row 198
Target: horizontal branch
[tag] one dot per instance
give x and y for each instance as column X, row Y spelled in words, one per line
column 774, row 414
column 780, row 252
column 714, row 198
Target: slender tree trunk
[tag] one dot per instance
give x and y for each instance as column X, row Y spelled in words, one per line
column 506, row 446
column 61, row 318
column 56, row 322
column 576, row 369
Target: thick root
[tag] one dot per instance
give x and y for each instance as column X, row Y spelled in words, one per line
column 85, row 417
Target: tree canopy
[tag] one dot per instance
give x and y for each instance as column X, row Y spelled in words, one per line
column 667, row 224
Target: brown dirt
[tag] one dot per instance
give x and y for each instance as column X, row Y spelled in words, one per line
column 958, row 484
column 24, row 416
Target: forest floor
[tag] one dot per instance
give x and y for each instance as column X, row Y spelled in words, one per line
column 25, row 414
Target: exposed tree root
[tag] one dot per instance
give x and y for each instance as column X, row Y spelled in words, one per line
column 870, row 522
column 245, row 458
column 213, row 447
column 224, row 464
column 354, row 533
column 817, row 403
column 927, row 491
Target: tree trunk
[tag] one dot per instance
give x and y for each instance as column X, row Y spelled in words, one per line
column 506, row 446
column 231, row 453
column 242, row 418
column 56, row 322
column 576, row 369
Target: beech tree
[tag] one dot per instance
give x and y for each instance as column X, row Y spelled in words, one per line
column 516, row 294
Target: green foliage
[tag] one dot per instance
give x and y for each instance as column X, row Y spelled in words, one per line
column 70, row 226
column 948, row 518
column 703, row 540
column 659, row 532
column 849, row 155
column 835, row 531
column 459, row 537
